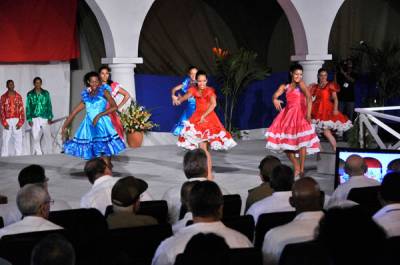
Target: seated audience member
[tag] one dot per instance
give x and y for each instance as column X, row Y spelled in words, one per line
column 125, row 197
column 356, row 168
column 32, row 174
column 394, row 166
column 195, row 168
column 33, row 201
column 203, row 249
column 206, row 203
column 308, row 201
column 53, row 250
column 264, row 190
column 281, row 182
column 185, row 193
column 389, row 216
column 350, row 236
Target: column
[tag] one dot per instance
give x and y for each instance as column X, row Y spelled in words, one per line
column 310, row 70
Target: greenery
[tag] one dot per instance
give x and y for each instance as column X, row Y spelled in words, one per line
column 234, row 73
column 136, row 118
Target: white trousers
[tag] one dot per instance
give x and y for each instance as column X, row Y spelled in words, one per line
column 16, row 134
column 41, row 127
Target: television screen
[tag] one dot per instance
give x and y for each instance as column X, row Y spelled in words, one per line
column 379, row 162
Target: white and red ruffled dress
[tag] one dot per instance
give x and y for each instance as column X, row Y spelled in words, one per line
column 290, row 130
column 211, row 130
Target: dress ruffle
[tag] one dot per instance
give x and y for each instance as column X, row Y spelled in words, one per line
column 337, row 125
column 293, row 142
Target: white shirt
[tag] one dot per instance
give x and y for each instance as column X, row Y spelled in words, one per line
column 342, row 191
column 301, row 229
column 29, row 224
column 182, row 223
column 389, row 219
column 277, row 202
column 172, row 246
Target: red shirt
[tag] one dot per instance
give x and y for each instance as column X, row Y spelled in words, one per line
column 12, row 107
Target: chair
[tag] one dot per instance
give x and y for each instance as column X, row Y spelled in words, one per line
column 304, row 253
column 232, row 205
column 157, row 209
column 139, row 243
column 367, row 197
column 243, row 224
column 268, row 221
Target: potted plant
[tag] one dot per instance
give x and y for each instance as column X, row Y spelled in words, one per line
column 136, row 121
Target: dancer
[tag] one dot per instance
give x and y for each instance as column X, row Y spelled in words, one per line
column 325, row 114
column 12, row 119
column 39, row 114
column 291, row 131
column 96, row 136
column 116, row 89
column 204, row 129
column 189, row 81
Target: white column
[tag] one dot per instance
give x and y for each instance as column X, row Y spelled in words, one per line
column 310, row 69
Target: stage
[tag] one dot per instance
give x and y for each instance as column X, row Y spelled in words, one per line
column 160, row 166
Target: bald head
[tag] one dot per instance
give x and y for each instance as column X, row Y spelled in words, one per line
column 306, row 195
column 355, row 166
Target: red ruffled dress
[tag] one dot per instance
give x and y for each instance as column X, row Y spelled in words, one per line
column 322, row 110
column 115, row 120
column 290, row 130
column 211, row 130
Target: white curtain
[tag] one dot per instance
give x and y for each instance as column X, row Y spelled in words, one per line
column 56, row 79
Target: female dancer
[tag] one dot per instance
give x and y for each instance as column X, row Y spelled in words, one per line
column 189, row 81
column 291, row 131
column 204, row 129
column 116, row 89
column 325, row 114
column 96, row 136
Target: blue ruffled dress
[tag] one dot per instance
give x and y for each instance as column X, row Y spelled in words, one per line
column 94, row 141
column 187, row 113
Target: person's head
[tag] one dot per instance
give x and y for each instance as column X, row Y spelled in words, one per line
column 195, row 164
column 91, row 80
column 390, row 188
column 96, row 168
column 10, row 85
column 192, row 71
column 34, row 200
column 296, row 73
column 281, row 178
column 201, row 79
column 125, row 194
column 104, row 74
column 185, row 192
column 322, row 75
column 266, row 166
column 306, row 196
column 394, row 165
column 37, row 82
column 355, row 166
column 54, row 249
column 32, row 174
column 206, row 201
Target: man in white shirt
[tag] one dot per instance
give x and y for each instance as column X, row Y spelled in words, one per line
column 33, row 201
column 206, row 204
column 389, row 216
column 308, row 201
column 281, row 181
column 356, row 168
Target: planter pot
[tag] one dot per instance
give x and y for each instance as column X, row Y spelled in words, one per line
column 134, row 139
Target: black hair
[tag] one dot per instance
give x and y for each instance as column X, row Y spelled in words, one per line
column 31, row 174
column 195, row 163
column 185, row 192
column 282, row 178
column 320, row 70
column 36, row 79
column 394, row 165
column 266, row 166
column 292, row 68
column 89, row 75
column 190, row 68
column 94, row 168
column 201, row 72
column 109, row 81
column 390, row 187
column 206, row 199
column 9, row 81
column 54, row 249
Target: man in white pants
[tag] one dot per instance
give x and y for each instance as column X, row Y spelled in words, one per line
column 12, row 119
column 39, row 114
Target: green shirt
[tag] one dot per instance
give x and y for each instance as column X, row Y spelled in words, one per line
column 38, row 105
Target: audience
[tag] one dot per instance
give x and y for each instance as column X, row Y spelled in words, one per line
column 308, row 201
column 264, row 189
column 125, row 197
column 389, row 216
column 33, row 201
column 185, row 195
column 394, row 166
column 206, row 203
column 53, row 250
column 195, row 168
column 281, row 182
column 356, row 168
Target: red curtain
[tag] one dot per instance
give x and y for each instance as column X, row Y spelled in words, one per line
column 38, row 30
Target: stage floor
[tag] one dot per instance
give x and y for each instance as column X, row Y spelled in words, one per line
column 161, row 166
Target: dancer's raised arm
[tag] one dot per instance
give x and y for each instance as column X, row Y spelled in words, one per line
column 277, row 103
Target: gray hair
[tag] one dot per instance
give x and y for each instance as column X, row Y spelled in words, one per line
column 31, row 197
